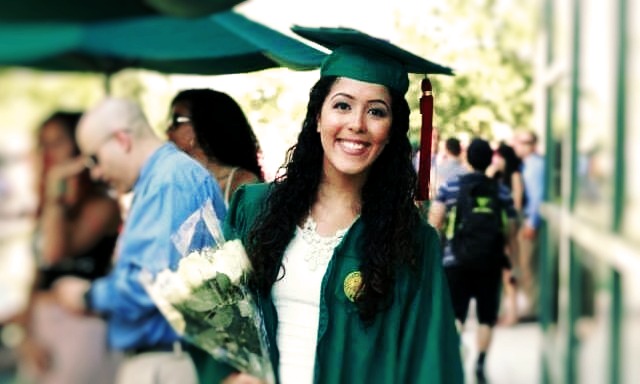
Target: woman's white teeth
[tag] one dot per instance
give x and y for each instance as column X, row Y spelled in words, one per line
column 353, row 145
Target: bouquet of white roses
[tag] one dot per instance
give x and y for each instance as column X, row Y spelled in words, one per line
column 206, row 299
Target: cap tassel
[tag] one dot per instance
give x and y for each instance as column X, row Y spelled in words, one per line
column 424, row 170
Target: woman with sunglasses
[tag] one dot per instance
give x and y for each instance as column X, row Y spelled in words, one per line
column 211, row 127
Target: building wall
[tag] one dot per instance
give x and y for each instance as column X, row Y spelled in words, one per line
column 588, row 80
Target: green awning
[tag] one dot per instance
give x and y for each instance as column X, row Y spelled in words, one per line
column 223, row 43
column 93, row 10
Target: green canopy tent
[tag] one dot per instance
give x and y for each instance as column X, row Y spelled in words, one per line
column 93, row 10
column 223, row 43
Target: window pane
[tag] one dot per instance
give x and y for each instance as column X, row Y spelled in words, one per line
column 596, row 121
column 631, row 212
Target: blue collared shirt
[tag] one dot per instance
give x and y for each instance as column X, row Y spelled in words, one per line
column 533, row 179
column 171, row 187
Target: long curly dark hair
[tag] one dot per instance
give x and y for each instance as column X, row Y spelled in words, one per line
column 387, row 211
column 222, row 129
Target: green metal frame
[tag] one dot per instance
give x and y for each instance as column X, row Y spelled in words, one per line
column 620, row 123
column 544, row 263
column 580, row 232
column 575, row 99
column 616, row 312
column 575, row 282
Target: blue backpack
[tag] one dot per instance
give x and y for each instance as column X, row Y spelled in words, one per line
column 476, row 225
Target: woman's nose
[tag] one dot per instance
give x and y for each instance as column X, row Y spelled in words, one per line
column 358, row 122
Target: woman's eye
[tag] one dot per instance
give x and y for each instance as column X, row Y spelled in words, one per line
column 341, row 105
column 378, row 112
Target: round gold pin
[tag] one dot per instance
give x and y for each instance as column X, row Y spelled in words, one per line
column 352, row 284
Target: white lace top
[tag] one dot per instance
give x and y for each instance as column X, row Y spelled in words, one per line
column 297, row 300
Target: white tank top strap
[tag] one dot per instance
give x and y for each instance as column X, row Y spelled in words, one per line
column 227, row 188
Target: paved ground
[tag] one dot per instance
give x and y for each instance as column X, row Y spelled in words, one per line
column 514, row 357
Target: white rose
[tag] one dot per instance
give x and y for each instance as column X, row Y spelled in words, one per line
column 165, row 289
column 174, row 318
column 195, row 270
column 231, row 259
column 172, row 287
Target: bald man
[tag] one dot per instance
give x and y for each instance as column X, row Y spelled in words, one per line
column 168, row 186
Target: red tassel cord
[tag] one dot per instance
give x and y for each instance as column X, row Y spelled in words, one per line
column 424, row 170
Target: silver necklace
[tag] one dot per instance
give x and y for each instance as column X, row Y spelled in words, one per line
column 321, row 247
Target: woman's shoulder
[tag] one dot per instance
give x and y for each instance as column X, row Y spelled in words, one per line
column 243, row 176
column 244, row 207
column 253, row 191
column 248, row 198
column 239, row 177
column 428, row 243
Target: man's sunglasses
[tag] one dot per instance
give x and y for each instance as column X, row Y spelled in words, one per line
column 176, row 120
column 91, row 161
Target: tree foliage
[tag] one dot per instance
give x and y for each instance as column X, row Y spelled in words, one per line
column 489, row 44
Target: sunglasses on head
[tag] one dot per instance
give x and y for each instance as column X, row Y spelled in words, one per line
column 176, row 120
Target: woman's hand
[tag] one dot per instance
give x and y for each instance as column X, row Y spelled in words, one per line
column 529, row 232
column 59, row 177
column 242, row 378
column 68, row 168
column 35, row 355
column 69, row 293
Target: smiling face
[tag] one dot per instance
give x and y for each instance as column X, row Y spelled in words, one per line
column 354, row 126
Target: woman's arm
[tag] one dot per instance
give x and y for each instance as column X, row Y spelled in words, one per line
column 517, row 190
column 98, row 218
column 65, row 237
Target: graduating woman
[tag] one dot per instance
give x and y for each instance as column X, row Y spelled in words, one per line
column 347, row 274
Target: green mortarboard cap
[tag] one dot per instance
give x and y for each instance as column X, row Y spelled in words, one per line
column 359, row 56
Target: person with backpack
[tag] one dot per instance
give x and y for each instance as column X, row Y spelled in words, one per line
column 475, row 216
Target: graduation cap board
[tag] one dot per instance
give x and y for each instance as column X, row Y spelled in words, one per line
column 359, row 56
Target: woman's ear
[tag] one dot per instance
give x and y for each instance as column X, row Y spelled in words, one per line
column 318, row 122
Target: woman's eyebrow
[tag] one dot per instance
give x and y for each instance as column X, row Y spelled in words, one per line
column 368, row 101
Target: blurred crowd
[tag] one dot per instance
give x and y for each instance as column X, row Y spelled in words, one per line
column 79, row 217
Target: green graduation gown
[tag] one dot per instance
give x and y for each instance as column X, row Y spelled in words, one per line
column 413, row 341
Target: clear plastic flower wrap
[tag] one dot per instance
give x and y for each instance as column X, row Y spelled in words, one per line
column 206, row 298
